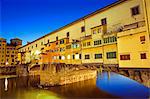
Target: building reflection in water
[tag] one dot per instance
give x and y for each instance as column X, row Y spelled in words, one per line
column 6, row 84
column 121, row 86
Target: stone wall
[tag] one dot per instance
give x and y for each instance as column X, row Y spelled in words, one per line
column 62, row 78
column 22, row 70
column 7, row 70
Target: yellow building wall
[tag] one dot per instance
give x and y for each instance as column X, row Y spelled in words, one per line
column 117, row 16
column 72, row 52
column 92, row 51
column 131, row 44
column 110, row 48
column 148, row 10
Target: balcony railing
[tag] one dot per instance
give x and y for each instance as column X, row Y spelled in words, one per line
column 86, row 37
column 134, row 25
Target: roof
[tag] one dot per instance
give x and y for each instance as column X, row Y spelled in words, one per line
column 80, row 19
column 16, row 39
column 2, row 39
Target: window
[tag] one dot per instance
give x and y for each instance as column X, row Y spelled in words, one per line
column 82, row 29
column 62, row 49
column 84, row 44
column 59, row 57
column 110, row 39
column 111, row 55
column 57, row 38
column 68, row 34
column 125, row 57
column 98, row 42
column 12, row 60
column 68, row 57
column 94, row 31
column 36, row 45
column 41, row 43
column 143, row 55
column 61, row 41
column 56, row 42
column 135, row 10
column 142, row 38
column 73, row 56
column 88, row 43
column 47, row 41
column 104, row 21
column 105, row 40
column 68, row 47
column 87, row 56
column 98, row 56
column 99, row 30
column 80, row 56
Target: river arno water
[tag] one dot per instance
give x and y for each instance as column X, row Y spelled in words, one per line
column 106, row 85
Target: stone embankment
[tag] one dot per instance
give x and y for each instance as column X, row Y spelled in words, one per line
column 8, row 70
column 62, row 78
column 22, row 70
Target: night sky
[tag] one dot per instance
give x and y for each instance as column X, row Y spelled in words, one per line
column 31, row 19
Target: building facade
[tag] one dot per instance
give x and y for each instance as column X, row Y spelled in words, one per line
column 9, row 52
column 116, row 35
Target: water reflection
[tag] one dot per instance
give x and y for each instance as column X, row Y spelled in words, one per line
column 6, row 84
column 121, row 86
column 106, row 85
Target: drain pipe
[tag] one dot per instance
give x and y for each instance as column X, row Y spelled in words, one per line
column 146, row 17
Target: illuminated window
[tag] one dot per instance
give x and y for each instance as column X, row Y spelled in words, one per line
column 63, row 57
column 68, row 57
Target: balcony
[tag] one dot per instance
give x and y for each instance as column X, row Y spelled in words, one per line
column 134, row 25
column 86, row 37
column 132, row 31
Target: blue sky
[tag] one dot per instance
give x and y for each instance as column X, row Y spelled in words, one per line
column 31, row 19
